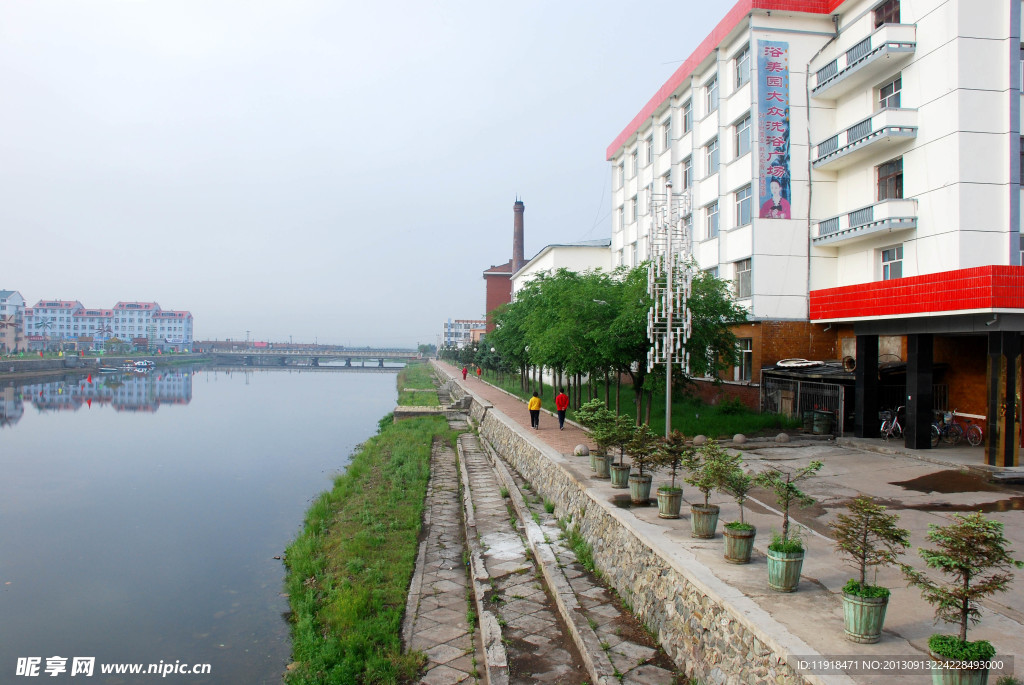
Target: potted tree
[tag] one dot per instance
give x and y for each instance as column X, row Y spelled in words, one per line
column 786, row 552
column 673, row 455
column 643, row 453
column 739, row 535
column 601, row 421
column 868, row 537
column 967, row 549
column 708, row 465
column 621, row 434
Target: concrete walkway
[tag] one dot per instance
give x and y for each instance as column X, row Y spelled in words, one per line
column 922, row 492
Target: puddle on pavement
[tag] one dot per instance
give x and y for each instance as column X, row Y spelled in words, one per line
column 1011, row 504
column 624, row 502
column 947, row 482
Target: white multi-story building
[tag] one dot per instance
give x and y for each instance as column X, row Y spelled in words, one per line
column 583, row 256
column 854, row 168
column 12, row 320
column 462, row 332
column 68, row 321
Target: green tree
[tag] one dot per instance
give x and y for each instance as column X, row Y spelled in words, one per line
column 783, row 483
column 870, row 538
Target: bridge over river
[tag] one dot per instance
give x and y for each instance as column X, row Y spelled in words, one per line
column 313, row 358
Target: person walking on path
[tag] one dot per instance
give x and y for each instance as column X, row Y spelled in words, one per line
column 464, row 372
column 478, row 373
column 534, row 407
column 561, row 404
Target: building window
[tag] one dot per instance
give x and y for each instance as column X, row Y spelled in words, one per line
column 620, row 174
column 635, row 167
column 889, row 94
column 650, row 150
column 745, row 355
column 743, row 202
column 742, row 136
column 666, row 178
column 741, row 280
column 688, row 226
column 892, row 263
column 742, row 61
column 632, row 209
column 666, row 133
column 711, row 95
column 648, row 197
column 712, row 271
column 890, row 180
column 687, row 116
column 711, row 220
column 688, row 170
column 711, row 157
column 636, row 254
column 887, row 13
column 620, row 223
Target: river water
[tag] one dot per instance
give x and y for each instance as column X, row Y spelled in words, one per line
column 140, row 514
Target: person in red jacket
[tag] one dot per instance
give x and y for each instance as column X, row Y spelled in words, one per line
column 479, row 372
column 464, row 372
column 561, row 404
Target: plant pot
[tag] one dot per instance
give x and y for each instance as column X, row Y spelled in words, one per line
column 956, row 676
column 703, row 520
column 601, row 466
column 619, row 475
column 784, row 570
column 640, row 488
column 593, row 463
column 669, row 503
column 863, row 617
column 739, row 544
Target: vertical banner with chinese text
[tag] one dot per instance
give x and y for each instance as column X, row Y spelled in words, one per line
column 773, row 129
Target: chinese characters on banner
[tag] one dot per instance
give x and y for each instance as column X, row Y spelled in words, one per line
column 773, row 129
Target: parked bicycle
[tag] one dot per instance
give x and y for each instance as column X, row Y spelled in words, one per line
column 891, row 428
column 949, row 430
column 970, row 430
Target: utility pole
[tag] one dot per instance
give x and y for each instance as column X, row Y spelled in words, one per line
column 668, row 283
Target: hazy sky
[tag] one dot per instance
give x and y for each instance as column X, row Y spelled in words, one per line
column 330, row 170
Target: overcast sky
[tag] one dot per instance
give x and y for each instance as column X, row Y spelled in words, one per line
column 330, row 170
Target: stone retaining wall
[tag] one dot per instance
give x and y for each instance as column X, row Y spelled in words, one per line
column 710, row 630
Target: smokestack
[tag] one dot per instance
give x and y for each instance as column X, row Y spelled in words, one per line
column 518, row 258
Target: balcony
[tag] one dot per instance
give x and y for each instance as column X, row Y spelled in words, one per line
column 883, row 52
column 887, row 216
column 886, row 129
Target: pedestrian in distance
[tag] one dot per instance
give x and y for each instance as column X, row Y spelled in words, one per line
column 534, row 407
column 464, row 372
column 561, row 404
column 479, row 373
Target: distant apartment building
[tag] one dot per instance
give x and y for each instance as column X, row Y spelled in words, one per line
column 462, row 332
column 854, row 168
column 12, row 319
column 143, row 324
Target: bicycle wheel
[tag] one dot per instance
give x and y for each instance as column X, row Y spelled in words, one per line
column 935, row 435
column 897, row 430
column 974, row 437
column 884, row 430
column 954, row 434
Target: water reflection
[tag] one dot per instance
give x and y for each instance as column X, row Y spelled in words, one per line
column 121, row 391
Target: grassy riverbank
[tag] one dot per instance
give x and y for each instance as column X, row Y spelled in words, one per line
column 416, row 376
column 349, row 570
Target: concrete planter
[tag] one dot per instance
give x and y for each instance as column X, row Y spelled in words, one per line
column 640, row 488
column 669, row 503
column 703, row 520
column 739, row 544
column 620, row 476
column 601, row 466
column 784, row 570
column 863, row 618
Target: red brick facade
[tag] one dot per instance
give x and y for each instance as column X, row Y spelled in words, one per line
column 499, row 290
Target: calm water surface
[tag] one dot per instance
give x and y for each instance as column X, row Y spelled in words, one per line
column 140, row 515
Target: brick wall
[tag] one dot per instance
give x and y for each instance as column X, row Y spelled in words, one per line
column 499, row 292
column 966, row 358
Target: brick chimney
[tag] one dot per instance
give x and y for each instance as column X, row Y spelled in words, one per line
column 518, row 258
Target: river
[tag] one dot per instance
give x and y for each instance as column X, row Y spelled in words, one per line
column 140, row 514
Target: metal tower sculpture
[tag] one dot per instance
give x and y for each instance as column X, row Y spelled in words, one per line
column 668, row 283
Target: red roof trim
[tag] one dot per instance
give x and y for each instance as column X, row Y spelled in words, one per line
column 738, row 12
column 979, row 288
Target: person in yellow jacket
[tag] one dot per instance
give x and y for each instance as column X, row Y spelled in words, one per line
column 534, row 407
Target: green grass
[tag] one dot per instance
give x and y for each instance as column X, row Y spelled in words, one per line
column 349, row 569
column 418, row 375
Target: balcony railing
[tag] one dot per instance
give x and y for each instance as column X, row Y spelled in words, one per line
column 884, row 129
column 884, row 50
column 885, row 216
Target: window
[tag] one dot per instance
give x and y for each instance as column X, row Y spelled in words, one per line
column 666, row 133
column 745, row 356
column 666, row 178
column 711, row 95
column 742, row 61
column 620, row 174
column 636, row 254
column 711, row 220
column 890, row 180
column 712, row 271
column 743, row 203
column 688, row 226
column 650, row 150
column 687, row 116
column 711, row 157
column 742, row 134
column 741, row 280
column 635, row 157
column 889, row 94
column 1020, row 246
column 620, row 217
column 887, row 13
column 892, row 263
column 648, row 197
column 688, row 170
column 632, row 209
